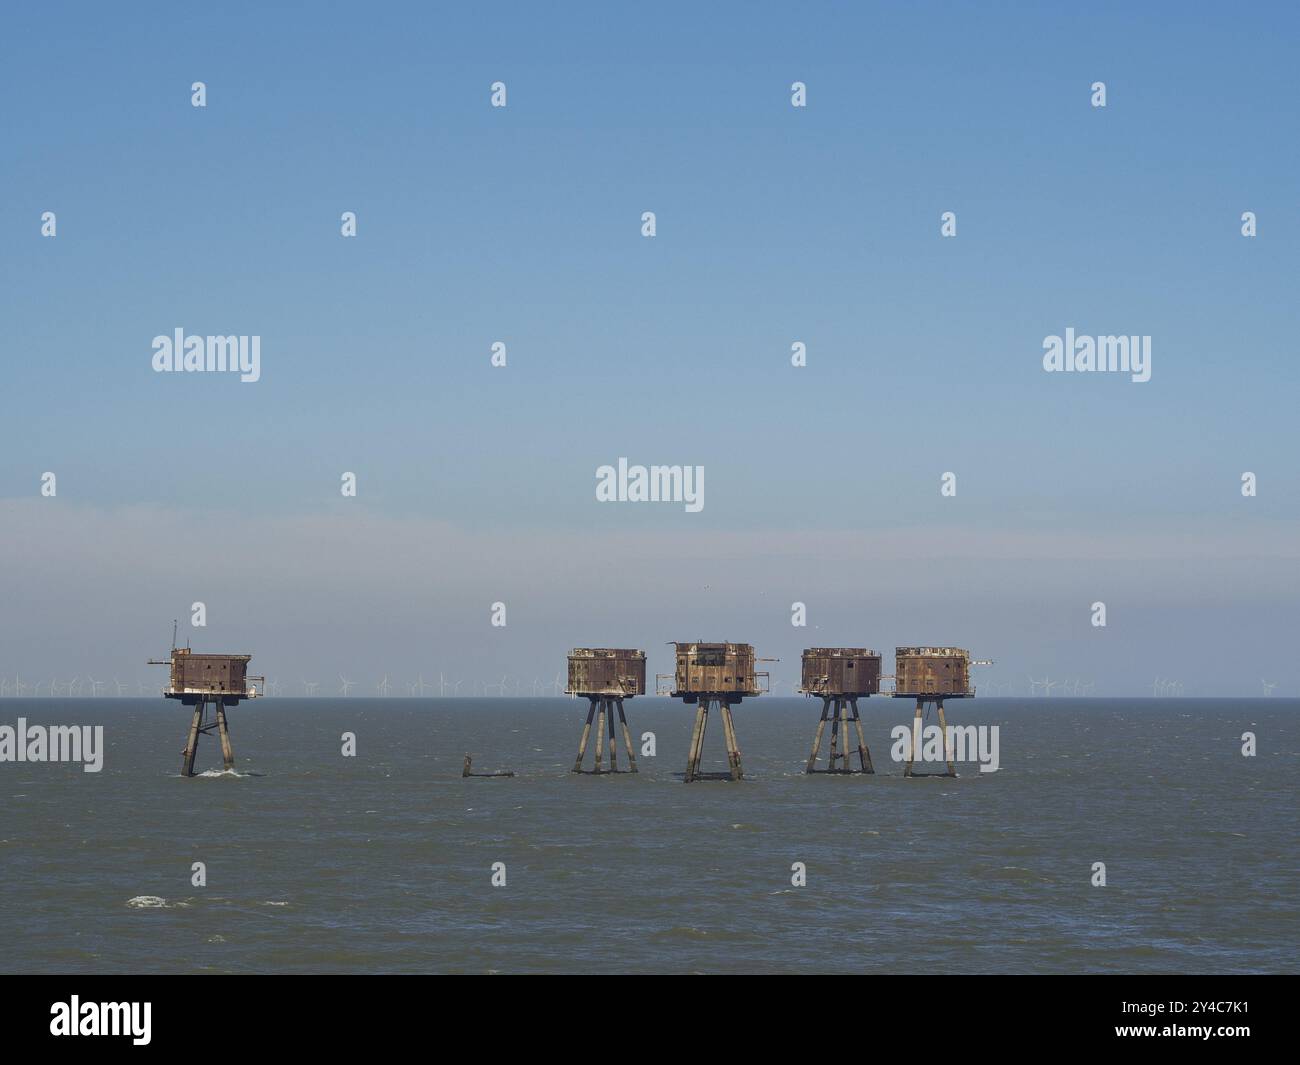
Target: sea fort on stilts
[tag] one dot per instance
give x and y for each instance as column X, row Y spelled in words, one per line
column 605, row 676
column 210, row 683
column 839, row 676
column 930, row 675
column 711, row 675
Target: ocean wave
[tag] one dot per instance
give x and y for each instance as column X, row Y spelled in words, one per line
column 154, row 902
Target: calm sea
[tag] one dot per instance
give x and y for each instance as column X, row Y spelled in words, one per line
column 384, row 862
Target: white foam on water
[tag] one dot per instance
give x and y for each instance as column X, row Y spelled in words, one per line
column 156, row 902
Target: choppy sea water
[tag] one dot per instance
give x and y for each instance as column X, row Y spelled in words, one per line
column 383, row 862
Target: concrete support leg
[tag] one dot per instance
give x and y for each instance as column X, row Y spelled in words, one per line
column 728, row 740
column 697, row 741
column 817, row 739
column 844, row 735
column 835, row 737
column 627, row 737
column 227, row 752
column 600, row 738
column 586, row 735
column 947, row 741
column 916, row 735
column 192, row 744
column 733, row 744
column 699, row 747
column 864, row 752
column 613, row 740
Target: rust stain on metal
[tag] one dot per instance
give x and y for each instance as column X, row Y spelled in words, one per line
column 208, row 682
column 932, row 671
column 203, row 676
column 614, row 671
column 840, row 671
column 725, row 670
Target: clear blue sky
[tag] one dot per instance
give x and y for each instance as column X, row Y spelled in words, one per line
column 775, row 224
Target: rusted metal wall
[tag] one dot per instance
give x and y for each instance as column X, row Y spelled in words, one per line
column 220, row 674
column 841, row 671
column 606, row 671
column 715, row 668
column 931, row 671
